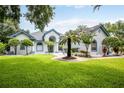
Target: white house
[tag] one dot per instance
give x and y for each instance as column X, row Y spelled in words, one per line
column 39, row 38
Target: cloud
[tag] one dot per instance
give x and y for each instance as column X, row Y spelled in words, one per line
column 76, row 6
column 114, row 20
column 70, row 24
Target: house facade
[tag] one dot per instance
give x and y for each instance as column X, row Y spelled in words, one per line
column 40, row 46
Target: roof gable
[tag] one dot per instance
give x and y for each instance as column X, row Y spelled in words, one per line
column 100, row 26
column 23, row 32
column 50, row 31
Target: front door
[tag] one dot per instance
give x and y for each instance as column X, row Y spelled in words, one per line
column 50, row 49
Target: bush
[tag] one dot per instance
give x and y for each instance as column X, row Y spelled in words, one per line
column 112, row 42
column 83, row 52
column 74, row 50
column 14, row 43
column 2, row 48
column 26, row 43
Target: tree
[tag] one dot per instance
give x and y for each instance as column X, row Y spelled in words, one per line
column 2, row 48
column 116, row 28
column 7, row 29
column 49, row 45
column 27, row 43
column 40, row 15
column 112, row 42
column 81, row 28
column 96, row 7
column 10, row 12
column 120, row 34
column 87, row 38
column 69, row 38
column 116, row 45
column 122, row 46
column 111, row 28
column 9, row 21
column 14, row 43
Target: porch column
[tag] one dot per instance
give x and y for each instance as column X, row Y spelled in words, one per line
column 45, row 49
column 34, row 47
column 56, row 47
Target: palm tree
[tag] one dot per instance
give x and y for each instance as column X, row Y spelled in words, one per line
column 96, row 7
column 68, row 38
column 87, row 38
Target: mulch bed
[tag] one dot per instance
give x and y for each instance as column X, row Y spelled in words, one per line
column 69, row 58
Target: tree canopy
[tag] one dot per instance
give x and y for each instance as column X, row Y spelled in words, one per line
column 10, row 15
column 40, row 15
column 27, row 42
column 14, row 43
column 2, row 48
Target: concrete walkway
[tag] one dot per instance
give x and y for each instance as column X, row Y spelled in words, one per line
column 82, row 59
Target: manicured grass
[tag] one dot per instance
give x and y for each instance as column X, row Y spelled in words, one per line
column 42, row 71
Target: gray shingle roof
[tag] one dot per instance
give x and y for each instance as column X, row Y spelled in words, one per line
column 23, row 32
column 38, row 35
column 97, row 27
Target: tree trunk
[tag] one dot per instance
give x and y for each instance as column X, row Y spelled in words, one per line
column 26, row 50
column 87, row 46
column 69, row 48
column 15, row 50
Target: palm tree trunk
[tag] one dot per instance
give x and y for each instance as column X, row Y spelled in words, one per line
column 69, row 48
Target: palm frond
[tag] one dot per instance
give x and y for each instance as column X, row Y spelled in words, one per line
column 96, row 7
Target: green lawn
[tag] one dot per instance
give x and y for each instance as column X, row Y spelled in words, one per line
column 41, row 71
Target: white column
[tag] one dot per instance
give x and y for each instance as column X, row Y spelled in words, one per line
column 45, row 49
column 33, row 47
column 57, row 47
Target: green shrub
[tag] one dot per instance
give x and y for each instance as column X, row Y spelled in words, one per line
column 83, row 51
column 26, row 43
column 74, row 50
column 14, row 43
column 112, row 42
column 2, row 48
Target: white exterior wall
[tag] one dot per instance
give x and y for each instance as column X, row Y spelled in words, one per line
column 100, row 36
column 46, row 38
column 22, row 52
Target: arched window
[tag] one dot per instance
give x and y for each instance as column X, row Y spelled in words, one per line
column 52, row 38
column 39, row 46
column 94, row 46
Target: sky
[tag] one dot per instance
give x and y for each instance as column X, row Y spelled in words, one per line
column 68, row 17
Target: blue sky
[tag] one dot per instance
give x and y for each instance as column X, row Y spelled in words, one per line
column 69, row 17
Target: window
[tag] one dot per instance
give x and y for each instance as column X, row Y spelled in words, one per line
column 22, row 47
column 39, row 46
column 94, row 46
column 52, row 38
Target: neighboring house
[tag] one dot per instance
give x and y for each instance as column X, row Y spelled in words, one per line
column 39, row 38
